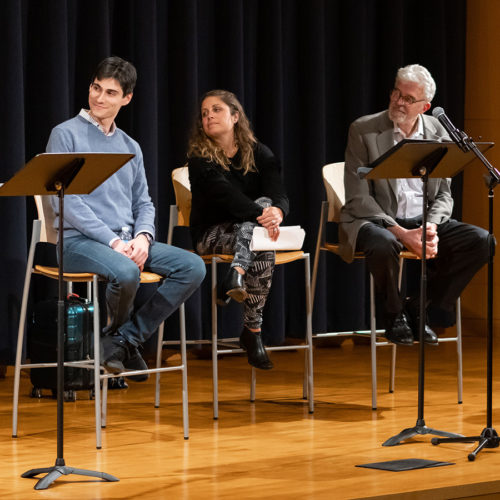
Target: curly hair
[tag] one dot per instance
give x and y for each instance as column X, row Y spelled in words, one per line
column 420, row 75
column 203, row 146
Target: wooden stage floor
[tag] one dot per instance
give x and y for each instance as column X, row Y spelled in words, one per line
column 272, row 449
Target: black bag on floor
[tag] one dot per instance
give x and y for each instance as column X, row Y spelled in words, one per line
column 78, row 345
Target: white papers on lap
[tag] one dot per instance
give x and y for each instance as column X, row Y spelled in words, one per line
column 290, row 238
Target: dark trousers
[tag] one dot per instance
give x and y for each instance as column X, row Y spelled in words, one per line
column 462, row 250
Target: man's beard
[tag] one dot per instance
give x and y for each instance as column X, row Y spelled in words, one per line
column 396, row 115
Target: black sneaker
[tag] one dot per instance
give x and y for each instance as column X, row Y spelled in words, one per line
column 114, row 353
column 117, row 383
column 135, row 362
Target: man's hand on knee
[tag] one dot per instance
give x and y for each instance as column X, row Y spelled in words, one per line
column 412, row 239
column 139, row 250
column 122, row 247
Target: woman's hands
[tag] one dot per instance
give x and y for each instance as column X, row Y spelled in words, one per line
column 271, row 219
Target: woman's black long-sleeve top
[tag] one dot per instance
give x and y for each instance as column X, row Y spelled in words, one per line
column 220, row 196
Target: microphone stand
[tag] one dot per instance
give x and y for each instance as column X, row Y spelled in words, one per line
column 488, row 437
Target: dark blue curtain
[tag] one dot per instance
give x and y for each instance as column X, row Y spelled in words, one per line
column 303, row 71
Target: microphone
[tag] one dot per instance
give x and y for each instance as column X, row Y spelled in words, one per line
column 456, row 134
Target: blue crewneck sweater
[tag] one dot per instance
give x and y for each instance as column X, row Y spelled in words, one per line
column 122, row 200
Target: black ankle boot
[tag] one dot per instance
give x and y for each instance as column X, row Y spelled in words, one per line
column 257, row 355
column 231, row 288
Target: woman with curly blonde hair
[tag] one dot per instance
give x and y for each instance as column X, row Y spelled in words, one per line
column 236, row 185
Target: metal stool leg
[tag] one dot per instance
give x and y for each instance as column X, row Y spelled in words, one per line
column 185, row 408
column 253, row 380
column 305, row 378
column 309, row 351
column 215, row 381
column 35, row 238
column 459, row 352
column 19, row 353
column 159, row 348
column 97, row 365
column 104, row 404
column 373, row 341
column 392, row 374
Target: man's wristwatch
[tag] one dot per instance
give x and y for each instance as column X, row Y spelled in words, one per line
column 148, row 237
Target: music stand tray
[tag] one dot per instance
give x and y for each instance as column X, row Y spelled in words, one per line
column 60, row 174
column 399, row 161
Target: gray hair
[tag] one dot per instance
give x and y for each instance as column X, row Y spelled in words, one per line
column 418, row 74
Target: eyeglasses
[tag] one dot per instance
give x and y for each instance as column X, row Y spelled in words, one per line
column 396, row 95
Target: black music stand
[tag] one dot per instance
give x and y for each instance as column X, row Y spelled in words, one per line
column 60, row 174
column 424, row 159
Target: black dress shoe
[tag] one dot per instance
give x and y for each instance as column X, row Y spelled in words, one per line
column 413, row 309
column 398, row 330
column 257, row 355
column 231, row 288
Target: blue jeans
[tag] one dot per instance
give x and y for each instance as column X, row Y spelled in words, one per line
column 183, row 272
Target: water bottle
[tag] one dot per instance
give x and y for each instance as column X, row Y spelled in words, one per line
column 125, row 234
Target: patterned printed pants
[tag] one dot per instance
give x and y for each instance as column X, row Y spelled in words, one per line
column 258, row 266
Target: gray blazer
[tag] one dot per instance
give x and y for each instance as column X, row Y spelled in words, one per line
column 369, row 137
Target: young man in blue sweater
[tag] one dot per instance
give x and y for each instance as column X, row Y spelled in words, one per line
column 93, row 223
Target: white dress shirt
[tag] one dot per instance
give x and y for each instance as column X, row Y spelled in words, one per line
column 410, row 191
